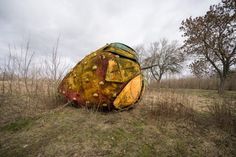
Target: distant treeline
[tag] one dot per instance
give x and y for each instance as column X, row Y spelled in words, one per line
column 211, row 83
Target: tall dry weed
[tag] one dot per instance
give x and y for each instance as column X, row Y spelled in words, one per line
column 224, row 114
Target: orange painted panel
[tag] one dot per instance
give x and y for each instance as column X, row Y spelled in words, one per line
column 130, row 93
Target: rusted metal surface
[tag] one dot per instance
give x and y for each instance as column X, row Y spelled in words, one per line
column 108, row 78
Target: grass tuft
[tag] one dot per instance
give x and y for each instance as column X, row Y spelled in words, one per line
column 223, row 114
column 18, row 125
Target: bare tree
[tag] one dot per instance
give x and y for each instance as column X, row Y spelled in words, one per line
column 142, row 55
column 164, row 58
column 211, row 39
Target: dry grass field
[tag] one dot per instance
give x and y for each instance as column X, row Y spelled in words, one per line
column 184, row 54
column 165, row 122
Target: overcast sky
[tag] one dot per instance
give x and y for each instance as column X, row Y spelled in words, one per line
column 84, row 26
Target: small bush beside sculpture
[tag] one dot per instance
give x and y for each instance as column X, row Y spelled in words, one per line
column 109, row 78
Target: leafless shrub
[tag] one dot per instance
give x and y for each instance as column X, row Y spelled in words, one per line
column 8, row 73
column 27, row 85
column 54, row 70
column 27, row 60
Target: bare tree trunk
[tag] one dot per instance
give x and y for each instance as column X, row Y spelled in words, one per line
column 27, row 60
column 154, row 75
column 3, row 81
column 222, row 85
column 10, row 83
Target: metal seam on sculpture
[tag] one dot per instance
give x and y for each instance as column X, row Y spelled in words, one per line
column 142, row 90
column 114, row 53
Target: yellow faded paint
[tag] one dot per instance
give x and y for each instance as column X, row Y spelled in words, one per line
column 129, row 69
column 121, row 52
column 113, row 73
column 98, row 79
column 121, row 70
column 130, row 93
